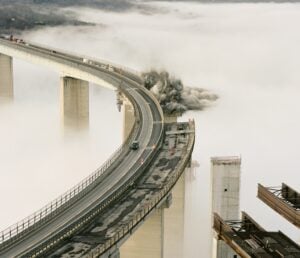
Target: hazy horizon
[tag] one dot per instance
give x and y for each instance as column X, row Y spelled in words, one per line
column 246, row 53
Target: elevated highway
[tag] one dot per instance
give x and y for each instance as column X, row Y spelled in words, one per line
column 50, row 227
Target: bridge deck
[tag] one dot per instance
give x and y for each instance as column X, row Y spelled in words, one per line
column 124, row 215
column 49, row 226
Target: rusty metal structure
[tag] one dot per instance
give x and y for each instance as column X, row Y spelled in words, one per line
column 248, row 239
column 284, row 200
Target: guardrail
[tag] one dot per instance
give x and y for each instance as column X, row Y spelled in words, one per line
column 102, row 61
column 126, row 228
column 43, row 215
column 27, row 225
column 73, row 228
column 54, row 52
column 141, row 215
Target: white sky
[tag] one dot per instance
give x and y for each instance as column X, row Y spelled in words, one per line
column 247, row 53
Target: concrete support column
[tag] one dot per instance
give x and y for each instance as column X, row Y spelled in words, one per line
column 75, row 102
column 6, row 77
column 147, row 241
column 128, row 118
column 225, row 176
column 174, row 222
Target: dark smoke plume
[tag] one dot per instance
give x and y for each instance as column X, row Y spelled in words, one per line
column 173, row 96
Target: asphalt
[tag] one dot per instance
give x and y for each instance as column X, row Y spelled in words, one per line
column 128, row 167
column 121, row 213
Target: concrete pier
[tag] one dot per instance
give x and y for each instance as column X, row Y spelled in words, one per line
column 147, row 241
column 174, row 215
column 174, row 222
column 225, row 178
column 162, row 234
column 128, row 117
column 6, row 77
column 75, row 102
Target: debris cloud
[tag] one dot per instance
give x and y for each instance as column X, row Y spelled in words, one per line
column 173, row 96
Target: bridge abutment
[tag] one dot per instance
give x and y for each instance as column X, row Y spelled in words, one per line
column 75, row 102
column 6, row 77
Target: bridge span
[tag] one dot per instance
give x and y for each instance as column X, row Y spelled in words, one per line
column 76, row 224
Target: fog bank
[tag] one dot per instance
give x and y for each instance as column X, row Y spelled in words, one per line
column 248, row 54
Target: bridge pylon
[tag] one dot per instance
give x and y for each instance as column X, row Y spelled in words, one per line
column 147, row 241
column 175, row 215
column 128, row 117
column 74, row 103
column 162, row 234
column 6, row 77
column 225, row 179
column 174, row 222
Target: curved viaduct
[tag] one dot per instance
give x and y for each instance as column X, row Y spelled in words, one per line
column 49, row 231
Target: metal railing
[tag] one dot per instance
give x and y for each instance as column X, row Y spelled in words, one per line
column 68, row 198
column 27, row 225
column 151, row 205
column 76, row 226
column 139, row 216
column 68, row 54
column 81, row 57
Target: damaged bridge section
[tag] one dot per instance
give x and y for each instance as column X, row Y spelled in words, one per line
column 112, row 227
column 284, row 200
column 248, row 239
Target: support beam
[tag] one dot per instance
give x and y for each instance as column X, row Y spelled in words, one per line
column 147, row 241
column 284, row 200
column 249, row 239
column 225, row 178
column 174, row 222
column 6, row 77
column 75, row 102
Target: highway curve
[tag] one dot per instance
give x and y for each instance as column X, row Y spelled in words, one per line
column 118, row 176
